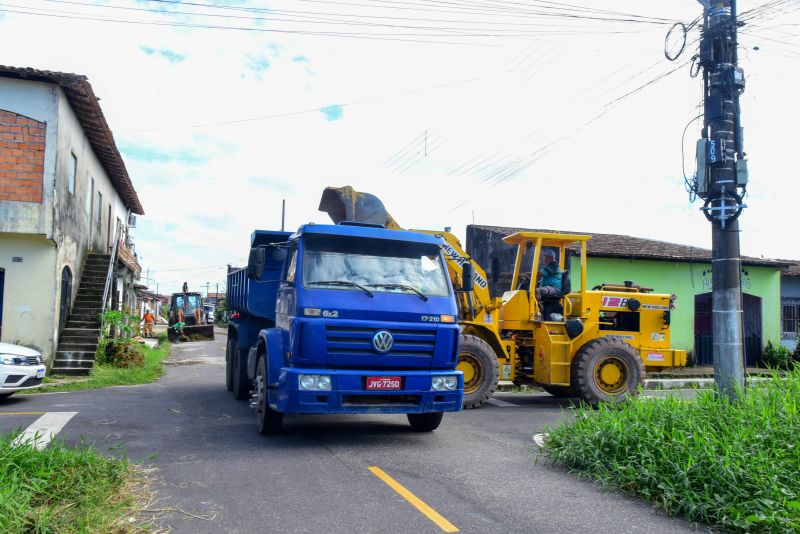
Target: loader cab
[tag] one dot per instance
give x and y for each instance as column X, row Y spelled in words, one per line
column 561, row 290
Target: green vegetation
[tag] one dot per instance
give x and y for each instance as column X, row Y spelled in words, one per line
column 733, row 465
column 62, row 490
column 777, row 357
column 106, row 374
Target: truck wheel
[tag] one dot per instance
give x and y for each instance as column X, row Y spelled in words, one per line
column 562, row 392
column 240, row 381
column 229, row 348
column 268, row 421
column 424, row 422
column 607, row 369
column 478, row 362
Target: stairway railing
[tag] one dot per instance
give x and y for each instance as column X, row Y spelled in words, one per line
column 110, row 274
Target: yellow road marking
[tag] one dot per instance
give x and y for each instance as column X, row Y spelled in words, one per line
column 22, row 413
column 426, row 510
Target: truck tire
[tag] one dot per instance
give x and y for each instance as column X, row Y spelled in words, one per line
column 424, row 422
column 240, row 381
column 231, row 346
column 562, row 392
column 478, row 362
column 606, row 369
column 268, row 421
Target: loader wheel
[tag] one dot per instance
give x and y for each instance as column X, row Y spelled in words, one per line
column 478, row 362
column 607, row 369
column 562, row 392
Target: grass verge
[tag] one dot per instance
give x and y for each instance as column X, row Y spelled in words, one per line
column 63, row 490
column 104, row 375
column 733, row 465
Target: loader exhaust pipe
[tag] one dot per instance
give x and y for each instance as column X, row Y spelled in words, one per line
column 347, row 204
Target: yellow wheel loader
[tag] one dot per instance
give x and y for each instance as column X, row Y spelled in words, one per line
column 595, row 344
column 187, row 319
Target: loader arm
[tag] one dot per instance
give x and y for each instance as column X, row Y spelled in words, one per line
column 347, row 204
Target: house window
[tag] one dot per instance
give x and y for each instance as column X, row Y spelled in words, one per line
column 73, row 171
column 790, row 317
column 99, row 208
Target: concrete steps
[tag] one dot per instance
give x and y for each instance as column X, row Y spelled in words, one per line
column 77, row 344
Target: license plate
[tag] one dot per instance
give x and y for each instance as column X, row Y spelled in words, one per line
column 40, row 373
column 383, row 382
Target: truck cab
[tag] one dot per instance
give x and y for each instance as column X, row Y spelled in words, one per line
column 345, row 319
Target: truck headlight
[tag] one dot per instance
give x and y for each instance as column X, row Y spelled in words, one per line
column 441, row 383
column 315, row 382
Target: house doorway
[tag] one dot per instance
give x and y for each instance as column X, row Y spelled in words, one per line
column 703, row 329
column 66, row 297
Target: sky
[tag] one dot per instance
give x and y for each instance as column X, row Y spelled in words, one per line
column 525, row 113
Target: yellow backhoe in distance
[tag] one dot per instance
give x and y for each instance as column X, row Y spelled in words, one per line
column 593, row 344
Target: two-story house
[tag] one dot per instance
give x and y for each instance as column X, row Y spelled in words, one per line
column 65, row 199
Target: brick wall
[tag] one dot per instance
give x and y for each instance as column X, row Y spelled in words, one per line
column 21, row 157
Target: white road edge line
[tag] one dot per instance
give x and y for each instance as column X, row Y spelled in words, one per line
column 44, row 429
column 498, row 402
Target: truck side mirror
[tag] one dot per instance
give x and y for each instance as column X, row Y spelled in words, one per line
column 467, row 277
column 251, row 263
column 255, row 262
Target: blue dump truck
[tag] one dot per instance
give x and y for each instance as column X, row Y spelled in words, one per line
column 344, row 319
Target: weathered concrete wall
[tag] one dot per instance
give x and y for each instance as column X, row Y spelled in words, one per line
column 37, row 101
column 76, row 213
column 59, row 231
column 30, row 290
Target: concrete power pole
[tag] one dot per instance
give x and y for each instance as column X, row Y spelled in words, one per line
column 721, row 180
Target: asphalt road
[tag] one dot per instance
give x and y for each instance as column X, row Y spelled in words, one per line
column 479, row 471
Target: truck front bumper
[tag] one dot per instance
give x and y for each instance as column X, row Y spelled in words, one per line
column 348, row 393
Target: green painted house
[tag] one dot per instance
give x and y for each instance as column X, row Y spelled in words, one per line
column 666, row 268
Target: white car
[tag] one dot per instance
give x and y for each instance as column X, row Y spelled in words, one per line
column 21, row 368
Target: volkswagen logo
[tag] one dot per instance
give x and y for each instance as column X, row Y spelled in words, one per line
column 382, row 341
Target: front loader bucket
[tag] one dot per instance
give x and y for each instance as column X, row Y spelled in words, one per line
column 347, row 204
column 203, row 332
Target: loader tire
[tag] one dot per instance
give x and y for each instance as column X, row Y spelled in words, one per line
column 241, row 382
column 607, row 370
column 562, row 392
column 478, row 362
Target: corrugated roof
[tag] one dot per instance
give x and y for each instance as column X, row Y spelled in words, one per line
column 623, row 246
column 85, row 103
column 793, row 269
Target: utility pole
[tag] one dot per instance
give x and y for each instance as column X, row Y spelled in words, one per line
column 283, row 214
column 721, row 179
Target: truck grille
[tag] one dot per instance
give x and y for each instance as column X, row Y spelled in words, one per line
column 358, row 340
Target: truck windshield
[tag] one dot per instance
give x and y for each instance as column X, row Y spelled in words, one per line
column 377, row 264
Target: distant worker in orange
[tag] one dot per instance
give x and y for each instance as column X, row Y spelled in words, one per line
column 149, row 321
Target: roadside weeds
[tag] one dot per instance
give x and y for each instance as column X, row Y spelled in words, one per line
column 105, row 375
column 729, row 464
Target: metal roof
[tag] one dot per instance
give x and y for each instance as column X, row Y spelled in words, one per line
column 628, row 247
column 86, row 105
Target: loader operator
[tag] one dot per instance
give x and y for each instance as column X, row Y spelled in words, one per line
column 549, row 277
